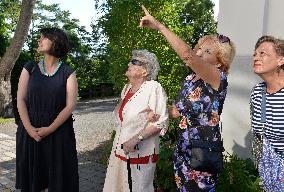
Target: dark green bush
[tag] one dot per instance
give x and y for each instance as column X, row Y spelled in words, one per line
column 239, row 175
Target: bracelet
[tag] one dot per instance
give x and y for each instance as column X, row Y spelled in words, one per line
column 140, row 137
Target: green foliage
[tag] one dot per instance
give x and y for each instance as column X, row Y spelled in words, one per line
column 89, row 63
column 6, row 120
column 164, row 175
column 3, row 35
column 238, row 175
column 120, row 23
column 198, row 15
column 10, row 10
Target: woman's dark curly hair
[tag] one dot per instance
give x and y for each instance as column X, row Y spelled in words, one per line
column 59, row 39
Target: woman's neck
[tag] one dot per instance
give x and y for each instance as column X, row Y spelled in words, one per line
column 136, row 84
column 274, row 82
column 50, row 61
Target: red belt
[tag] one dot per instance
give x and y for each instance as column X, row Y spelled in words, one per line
column 139, row 160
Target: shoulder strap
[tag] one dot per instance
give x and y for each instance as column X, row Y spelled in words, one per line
column 263, row 105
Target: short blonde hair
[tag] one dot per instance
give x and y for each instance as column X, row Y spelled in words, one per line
column 224, row 47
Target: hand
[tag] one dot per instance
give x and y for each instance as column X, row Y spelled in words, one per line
column 129, row 145
column 282, row 180
column 44, row 131
column 148, row 20
column 173, row 112
column 151, row 116
column 34, row 134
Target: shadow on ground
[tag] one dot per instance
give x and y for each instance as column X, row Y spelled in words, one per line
column 90, row 106
column 245, row 151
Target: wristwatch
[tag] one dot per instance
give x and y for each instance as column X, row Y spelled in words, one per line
column 140, row 137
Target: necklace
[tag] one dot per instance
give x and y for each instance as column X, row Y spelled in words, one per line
column 42, row 68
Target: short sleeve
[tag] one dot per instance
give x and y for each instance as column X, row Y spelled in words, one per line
column 68, row 70
column 158, row 103
column 29, row 66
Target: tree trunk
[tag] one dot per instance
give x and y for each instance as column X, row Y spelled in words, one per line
column 11, row 55
column 6, row 109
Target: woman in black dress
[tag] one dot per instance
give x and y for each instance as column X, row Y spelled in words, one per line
column 46, row 156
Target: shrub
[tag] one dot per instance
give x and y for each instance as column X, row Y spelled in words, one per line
column 238, row 175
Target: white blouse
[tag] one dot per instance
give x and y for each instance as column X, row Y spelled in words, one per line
column 151, row 94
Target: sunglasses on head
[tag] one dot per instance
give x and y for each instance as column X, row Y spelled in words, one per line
column 136, row 62
column 223, row 38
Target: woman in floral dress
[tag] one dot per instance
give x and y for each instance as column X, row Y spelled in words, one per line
column 200, row 101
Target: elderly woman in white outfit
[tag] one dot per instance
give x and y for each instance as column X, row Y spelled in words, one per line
column 137, row 136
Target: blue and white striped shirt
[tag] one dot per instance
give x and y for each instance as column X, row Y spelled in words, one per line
column 274, row 126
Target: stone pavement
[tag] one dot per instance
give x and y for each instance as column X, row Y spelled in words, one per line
column 91, row 174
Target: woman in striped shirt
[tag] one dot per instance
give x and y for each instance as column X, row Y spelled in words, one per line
column 268, row 131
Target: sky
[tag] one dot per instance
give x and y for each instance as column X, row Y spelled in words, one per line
column 84, row 10
column 216, row 8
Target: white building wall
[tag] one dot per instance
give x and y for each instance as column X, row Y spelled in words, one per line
column 244, row 21
column 275, row 18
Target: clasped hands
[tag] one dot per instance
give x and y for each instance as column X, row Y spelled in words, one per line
column 39, row 133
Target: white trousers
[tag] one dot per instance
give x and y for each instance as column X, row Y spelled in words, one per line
column 117, row 176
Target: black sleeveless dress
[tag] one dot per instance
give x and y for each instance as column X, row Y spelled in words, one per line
column 51, row 163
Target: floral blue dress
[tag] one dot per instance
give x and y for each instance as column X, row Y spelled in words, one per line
column 271, row 168
column 200, row 107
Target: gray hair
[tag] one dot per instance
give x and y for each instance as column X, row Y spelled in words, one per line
column 150, row 60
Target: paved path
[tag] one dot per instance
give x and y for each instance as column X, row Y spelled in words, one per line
column 93, row 125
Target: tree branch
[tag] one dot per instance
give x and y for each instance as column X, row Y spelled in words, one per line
column 13, row 51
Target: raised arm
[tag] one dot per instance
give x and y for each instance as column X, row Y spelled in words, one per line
column 207, row 72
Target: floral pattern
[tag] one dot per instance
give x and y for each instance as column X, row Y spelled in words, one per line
column 200, row 107
column 271, row 169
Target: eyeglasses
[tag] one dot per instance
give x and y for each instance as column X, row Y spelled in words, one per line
column 136, row 62
column 223, row 38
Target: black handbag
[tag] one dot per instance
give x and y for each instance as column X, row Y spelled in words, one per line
column 207, row 156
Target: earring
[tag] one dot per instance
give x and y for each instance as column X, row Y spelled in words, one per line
column 279, row 67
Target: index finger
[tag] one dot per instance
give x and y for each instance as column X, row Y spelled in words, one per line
column 145, row 10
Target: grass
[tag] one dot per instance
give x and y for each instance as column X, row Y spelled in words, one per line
column 106, row 153
column 8, row 120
